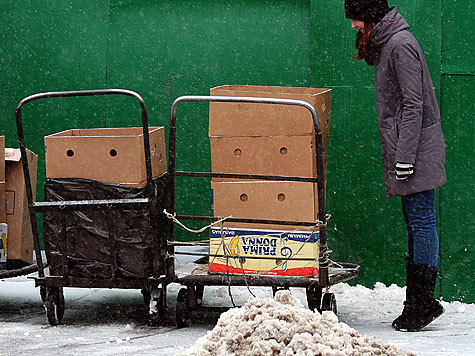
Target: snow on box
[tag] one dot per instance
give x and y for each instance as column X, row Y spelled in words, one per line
column 283, row 327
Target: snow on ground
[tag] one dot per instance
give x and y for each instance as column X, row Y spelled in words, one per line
column 112, row 322
column 283, row 326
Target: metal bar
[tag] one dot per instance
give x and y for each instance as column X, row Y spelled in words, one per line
column 323, row 249
column 335, row 276
column 83, row 282
column 245, row 176
column 26, row 172
column 319, row 158
column 75, row 205
column 18, row 272
column 243, row 220
column 248, row 280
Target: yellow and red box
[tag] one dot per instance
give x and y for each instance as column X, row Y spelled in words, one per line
column 264, row 252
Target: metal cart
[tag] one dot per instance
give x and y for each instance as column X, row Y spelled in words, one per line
column 51, row 287
column 189, row 298
column 12, row 273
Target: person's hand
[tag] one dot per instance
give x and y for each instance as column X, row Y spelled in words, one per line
column 404, row 170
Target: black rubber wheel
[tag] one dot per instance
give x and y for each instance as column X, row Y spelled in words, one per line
column 329, row 303
column 182, row 311
column 54, row 305
column 60, row 305
column 314, row 298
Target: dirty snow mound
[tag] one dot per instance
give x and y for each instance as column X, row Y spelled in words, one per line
column 282, row 326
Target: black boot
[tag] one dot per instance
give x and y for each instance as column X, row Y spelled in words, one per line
column 410, row 303
column 431, row 308
column 421, row 308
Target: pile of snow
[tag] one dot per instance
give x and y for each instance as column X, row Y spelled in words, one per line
column 283, row 326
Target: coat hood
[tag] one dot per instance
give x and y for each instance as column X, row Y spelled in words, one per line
column 392, row 23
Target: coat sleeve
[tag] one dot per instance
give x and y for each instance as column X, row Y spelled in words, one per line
column 408, row 69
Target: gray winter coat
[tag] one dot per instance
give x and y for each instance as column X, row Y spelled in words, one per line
column 408, row 114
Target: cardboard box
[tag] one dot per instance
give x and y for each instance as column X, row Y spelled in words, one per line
column 266, row 139
column 3, row 213
column 20, row 236
column 273, row 245
column 3, row 245
column 242, row 119
column 110, row 155
column 274, row 155
column 269, row 200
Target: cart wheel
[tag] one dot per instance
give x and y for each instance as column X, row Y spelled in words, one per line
column 43, row 293
column 157, row 307
column 276, row 289
column 54, row 305
column 60, row 306
column 182, row 311
column 314, row 298
column 146, row 299
column 329, row 303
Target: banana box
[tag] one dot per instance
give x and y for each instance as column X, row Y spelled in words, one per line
column 263, row 252
column 3, row 246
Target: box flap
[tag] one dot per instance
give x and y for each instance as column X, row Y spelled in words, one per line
column 12, row 154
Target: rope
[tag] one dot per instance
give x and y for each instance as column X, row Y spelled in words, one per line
column 321, row 224
column 176, row 221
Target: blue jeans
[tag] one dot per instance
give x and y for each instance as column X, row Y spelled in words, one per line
column 419, row 214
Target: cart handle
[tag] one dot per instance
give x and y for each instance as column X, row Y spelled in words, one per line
column 21, row 140
column 319, row 153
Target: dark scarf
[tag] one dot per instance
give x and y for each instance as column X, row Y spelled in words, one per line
column 365, row 48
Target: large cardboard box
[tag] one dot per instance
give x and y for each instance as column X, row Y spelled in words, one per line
column 267, row 155
column 242, row 119
column 110, row 155
column 20, row 236
column 257, row 251
column 265, row 200
column 3, row 213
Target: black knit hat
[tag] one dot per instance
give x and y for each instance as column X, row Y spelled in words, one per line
column 371, row 11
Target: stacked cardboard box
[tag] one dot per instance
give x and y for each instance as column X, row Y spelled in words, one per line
column 97, row 164
column 110, row 155
column 19, row 238
column 267, row 140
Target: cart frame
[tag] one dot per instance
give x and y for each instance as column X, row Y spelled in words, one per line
column 51, row 286
column 190, row 299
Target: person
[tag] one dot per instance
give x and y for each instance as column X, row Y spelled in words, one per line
column 412, row 144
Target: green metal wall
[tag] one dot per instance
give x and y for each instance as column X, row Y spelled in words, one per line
column 458, row 108
column 164, row 49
